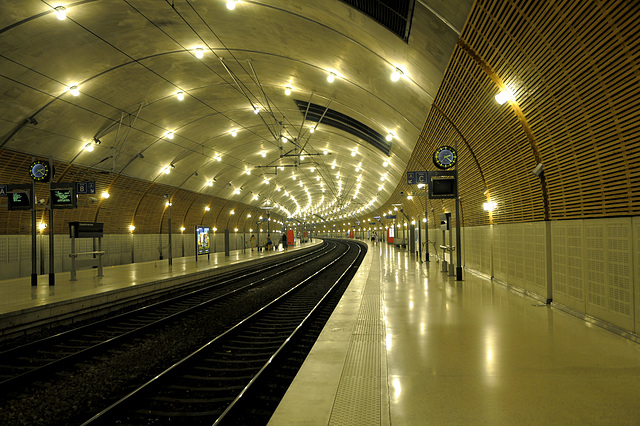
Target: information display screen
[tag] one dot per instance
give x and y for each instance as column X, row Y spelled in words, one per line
column 63, row 198
column 202, row 240
column 19, row 200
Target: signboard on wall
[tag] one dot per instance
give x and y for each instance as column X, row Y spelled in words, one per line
column 203, row 243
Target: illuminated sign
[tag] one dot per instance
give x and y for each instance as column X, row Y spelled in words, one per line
column 63, row 198
column 19, row 200
column 202, row 240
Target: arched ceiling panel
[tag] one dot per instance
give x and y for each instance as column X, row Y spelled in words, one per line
column 128, row 60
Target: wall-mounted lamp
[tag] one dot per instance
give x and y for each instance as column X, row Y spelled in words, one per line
column 489, row 206
column 504, row 96
column 537, row 171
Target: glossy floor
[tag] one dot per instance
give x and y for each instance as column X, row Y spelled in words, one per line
column 470, row 352
column 18, row 294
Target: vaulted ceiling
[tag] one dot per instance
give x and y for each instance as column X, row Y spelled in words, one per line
column 233, row 104
column 239, row 140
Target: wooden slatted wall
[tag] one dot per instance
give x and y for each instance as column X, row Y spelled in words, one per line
column 574, row 68
column 132, row 201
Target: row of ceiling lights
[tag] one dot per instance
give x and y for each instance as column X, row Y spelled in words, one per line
column 199, row 53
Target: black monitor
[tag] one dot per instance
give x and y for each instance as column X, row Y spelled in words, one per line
column 19, row 200
column 442, row 187
column 63, row 198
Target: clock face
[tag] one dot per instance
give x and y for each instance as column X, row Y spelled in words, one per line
column 39, row 171
column 445, row 157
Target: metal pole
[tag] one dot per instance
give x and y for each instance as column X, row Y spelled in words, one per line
column 34, row 274
column 52, row 275
column 100, row 269
column 426, row 224
column 73, row 257
column 458, row 248
column 170, row 249
column 419, row 239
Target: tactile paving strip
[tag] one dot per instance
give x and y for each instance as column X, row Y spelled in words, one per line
column 358, row 400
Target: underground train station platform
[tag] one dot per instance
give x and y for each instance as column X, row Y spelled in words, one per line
column 410, row 345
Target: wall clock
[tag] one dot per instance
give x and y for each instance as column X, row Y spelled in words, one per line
column 445, row 157
column 39, row 171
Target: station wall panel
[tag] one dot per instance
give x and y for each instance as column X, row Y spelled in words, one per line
column 568, row 264
column 477, row 248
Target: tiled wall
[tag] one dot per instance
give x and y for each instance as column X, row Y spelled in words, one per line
column 595, row 263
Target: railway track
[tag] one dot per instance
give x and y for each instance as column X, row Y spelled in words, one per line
column 220, row 380
column 36, row 360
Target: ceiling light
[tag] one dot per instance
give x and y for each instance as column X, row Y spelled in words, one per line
column 389, row 137
column 231, row 4
column 312, row 169
column 232, row 212
column 169, row 135
column 210, row 183
column 504, row 96
column 199, row 53
column 88, row 147
column 105, row 194
column 331, row 77
column 61, row 12
column 283, row 139
column 263, row 154
column 248, row 171
column 385, row 163
column 207, row 208
column 132, row 228
column 166, row 170
column 396, row 74
column 409, row 197
column 287, row 90
column 74, row 90
column 353, row 153
column 234, row 132
column 325, row 152
column 256, row 110
column 302, row 158
column 180, row 95
column 312, row 129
